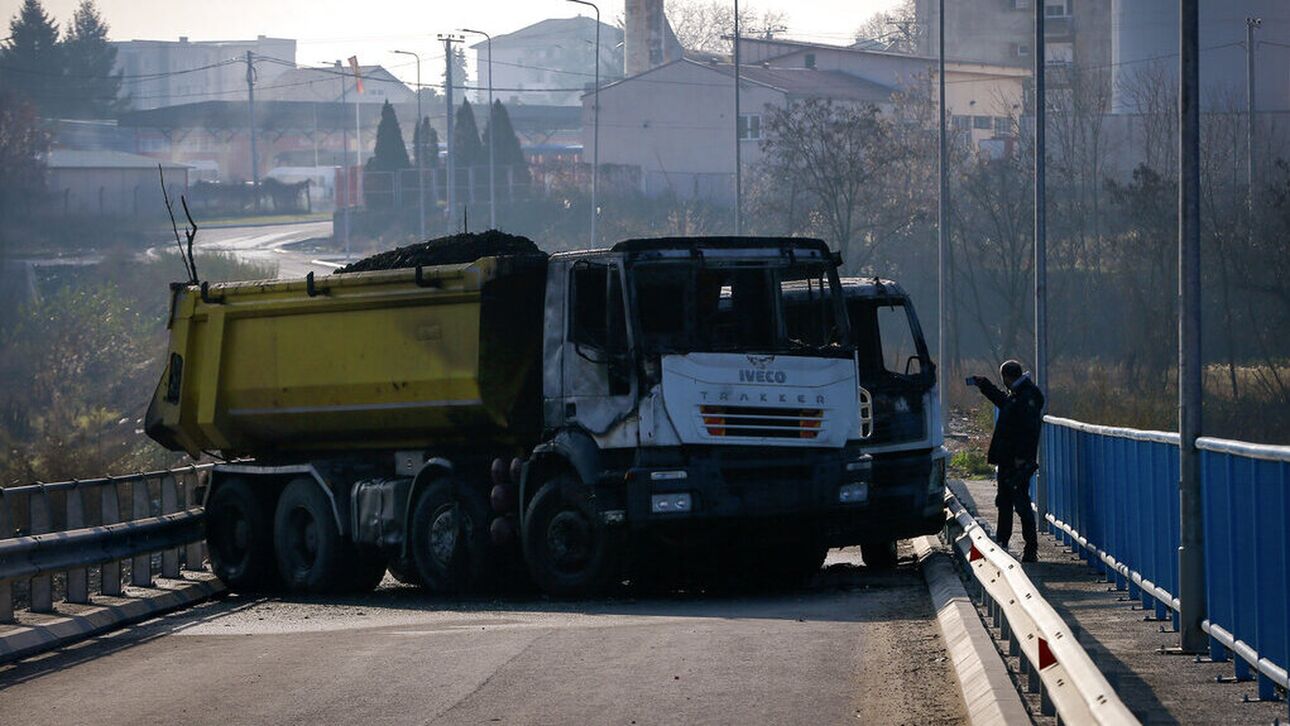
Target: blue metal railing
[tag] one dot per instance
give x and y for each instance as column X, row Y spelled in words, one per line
column 1113, row 494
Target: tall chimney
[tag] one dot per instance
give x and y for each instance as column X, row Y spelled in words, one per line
column 649, row 40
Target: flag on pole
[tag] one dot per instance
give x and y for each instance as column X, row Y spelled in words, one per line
column 358, row 77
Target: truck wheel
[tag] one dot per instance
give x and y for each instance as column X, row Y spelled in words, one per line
column 239, row 532
column 879, row 555
column 570, row 553
column 450, row 541
column 312, row 556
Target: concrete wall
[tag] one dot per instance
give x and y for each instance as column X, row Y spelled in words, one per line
column 1145, row 46
column 676, row 124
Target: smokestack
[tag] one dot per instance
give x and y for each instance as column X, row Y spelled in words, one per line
column 649, row 40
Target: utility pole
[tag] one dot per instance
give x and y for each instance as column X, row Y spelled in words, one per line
column 1191, row 550
column 492, row 135
column 420, row 150
column 595, row 134
column 250, row 103
column 448, row 39
column 1041, row 218
column 1250, row 25
column 943, row 218
column 344, row 157
column 739, row 171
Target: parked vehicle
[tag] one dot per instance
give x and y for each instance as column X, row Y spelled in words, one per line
column 456, row 423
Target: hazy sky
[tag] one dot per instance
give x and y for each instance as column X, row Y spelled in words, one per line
column 331, row 29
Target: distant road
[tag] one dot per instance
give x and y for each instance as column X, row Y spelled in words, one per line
column 268, row 245
column 855, row 648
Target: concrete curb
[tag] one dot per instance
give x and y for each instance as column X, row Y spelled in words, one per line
column 987, row 689
column 54, row 631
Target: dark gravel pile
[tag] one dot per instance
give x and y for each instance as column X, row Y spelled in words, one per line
column 453, row 250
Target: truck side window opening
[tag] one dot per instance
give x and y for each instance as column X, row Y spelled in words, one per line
column 598, row 320
column 886, row 339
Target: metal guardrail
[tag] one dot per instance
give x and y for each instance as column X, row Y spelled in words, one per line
column 1113, row 493
column 73, row 526
column 1054, row 663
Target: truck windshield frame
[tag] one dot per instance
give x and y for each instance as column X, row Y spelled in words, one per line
column 733, row 301
column 873, row 357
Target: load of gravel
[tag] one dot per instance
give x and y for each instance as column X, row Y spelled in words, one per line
column 456, row 249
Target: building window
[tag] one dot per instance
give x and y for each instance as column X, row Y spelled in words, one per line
column 750, row 127
column 1002, row 125
column 961, row 123
column 810, row 60
column 1021, row 50
column 1056, row 8
column 982, row 123
column 1020, row 4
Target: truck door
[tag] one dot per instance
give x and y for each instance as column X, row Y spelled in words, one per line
column 599, row 380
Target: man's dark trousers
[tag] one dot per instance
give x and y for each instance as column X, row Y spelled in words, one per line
column 1014, row 495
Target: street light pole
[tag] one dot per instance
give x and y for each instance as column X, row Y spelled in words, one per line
column 344, row 157
column 1041, row 224
column 739, row 177
column 448, row 39
column 595, row 139
column 420, row 150
column 492, row 135
column 1193, row 606
column 943, row 218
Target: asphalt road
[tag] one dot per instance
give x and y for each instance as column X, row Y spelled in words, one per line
column 855, row 647
column 269, row 244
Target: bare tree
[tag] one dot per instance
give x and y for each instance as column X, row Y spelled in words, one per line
column 895, row 30
column 835, row 159
column 707, row 25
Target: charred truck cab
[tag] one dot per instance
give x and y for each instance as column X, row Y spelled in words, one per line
column 564, row 415
column 694, row 408
column 907, row 444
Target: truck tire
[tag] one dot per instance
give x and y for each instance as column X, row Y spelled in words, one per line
column 879, row 556
column 239, row 533
column 312, row 556
column 569, row 551
column 450, row 541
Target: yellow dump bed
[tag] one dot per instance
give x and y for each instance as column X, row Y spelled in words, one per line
column 370, row 360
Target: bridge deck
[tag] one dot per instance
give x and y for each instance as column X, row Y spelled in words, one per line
column 856, row 647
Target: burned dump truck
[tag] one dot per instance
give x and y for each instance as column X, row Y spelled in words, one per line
column 469, row 422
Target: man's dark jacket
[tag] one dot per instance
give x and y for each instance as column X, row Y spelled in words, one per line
column 1021, row 414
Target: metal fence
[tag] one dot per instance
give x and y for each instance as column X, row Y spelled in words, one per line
column 66, row 538
column 1113, row 494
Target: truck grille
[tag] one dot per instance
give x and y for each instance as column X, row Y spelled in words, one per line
column 762, row 422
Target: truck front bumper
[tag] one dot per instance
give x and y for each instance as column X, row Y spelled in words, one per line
column 830, row 491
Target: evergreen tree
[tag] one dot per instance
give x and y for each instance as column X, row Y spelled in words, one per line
column 390, row 154
column 32, row 60
column 466, row 145
column 460, row 78
column 508, row 152
column 431, row 145
column 94, row 90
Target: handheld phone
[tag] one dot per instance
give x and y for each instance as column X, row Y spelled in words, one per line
column 971, row 380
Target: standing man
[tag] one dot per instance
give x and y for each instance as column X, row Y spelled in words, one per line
column 1014, row 449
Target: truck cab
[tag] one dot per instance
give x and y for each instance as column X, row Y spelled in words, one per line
column 694, row 403
column 907, row 443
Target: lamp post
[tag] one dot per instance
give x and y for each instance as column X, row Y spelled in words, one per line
column 344, row 156
column 739, row 178
column 595, row 134
column 492, row 134
column 420, row 149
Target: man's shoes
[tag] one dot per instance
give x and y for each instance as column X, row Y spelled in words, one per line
column 1031, row 554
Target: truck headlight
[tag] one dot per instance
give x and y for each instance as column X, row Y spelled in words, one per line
column 667, row 503
column 854, row 493
column 668, row 475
